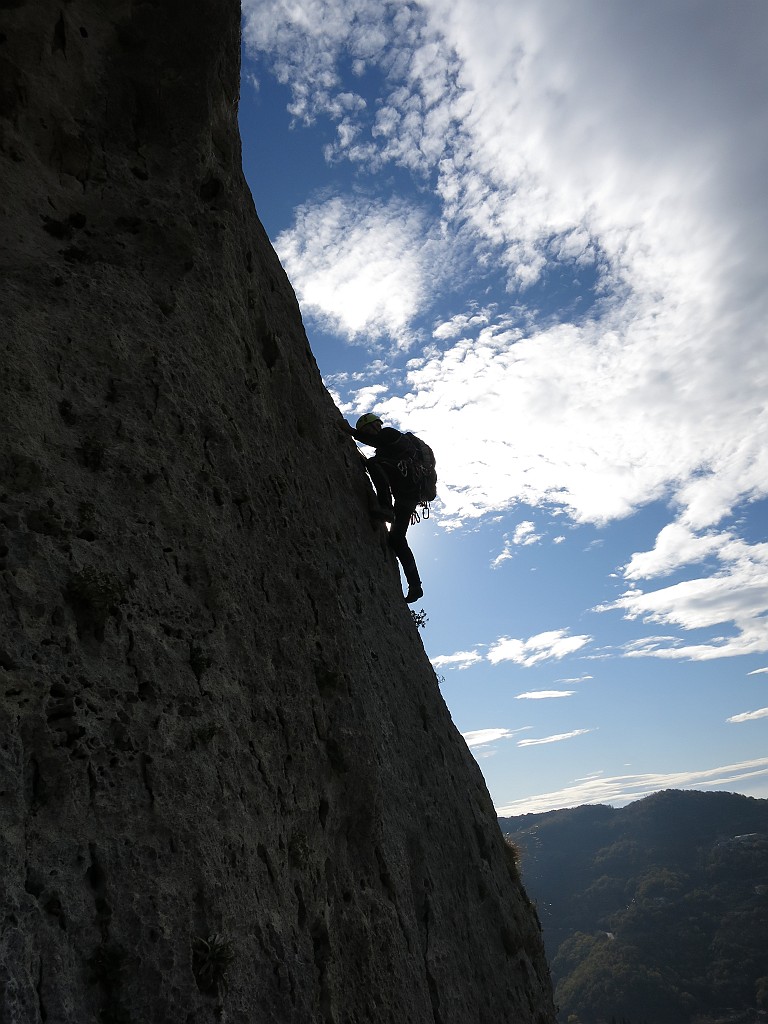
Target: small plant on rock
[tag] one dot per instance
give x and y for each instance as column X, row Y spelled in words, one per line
column 420, row 618
column 210, row 959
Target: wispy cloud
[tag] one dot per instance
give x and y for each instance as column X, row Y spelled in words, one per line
column 460, row 660
column 523, row 535
column 622, row 789
column 749, row 716
column 483, row 737
column 554, row 739
column 758, row 672
column 555, row 643
column 544, row 694
column 551, row 645
column 504, row 555
column 737, row 593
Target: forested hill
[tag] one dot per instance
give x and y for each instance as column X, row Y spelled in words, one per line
column 656, row 912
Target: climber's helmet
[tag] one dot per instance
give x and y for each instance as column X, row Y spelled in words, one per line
column 370, row 421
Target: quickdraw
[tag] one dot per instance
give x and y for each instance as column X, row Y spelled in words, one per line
column 416, row 518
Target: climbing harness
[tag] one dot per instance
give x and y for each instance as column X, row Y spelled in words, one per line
column 415, row 517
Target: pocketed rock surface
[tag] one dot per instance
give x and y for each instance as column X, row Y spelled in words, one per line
column 229, row 787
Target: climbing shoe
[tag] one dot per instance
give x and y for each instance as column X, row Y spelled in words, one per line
column 383, row 515
column 414, row 593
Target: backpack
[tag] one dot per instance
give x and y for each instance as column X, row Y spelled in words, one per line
column 417, row 464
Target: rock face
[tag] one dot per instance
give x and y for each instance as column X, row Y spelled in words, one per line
column 229, row 787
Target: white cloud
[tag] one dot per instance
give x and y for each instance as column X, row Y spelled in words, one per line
column 362, row 267
column 656, row 180
column 544, row 694
column 575, row 679
column 758, row 672
column 676, row 545
column 737, row 593
column 749, row 716
column 365, row 399
column 639, row 161
column 525, row 533
column 555, row 643
column 554, row 739
column 460, row 323
column 576, row 415
column 482, row 737
column 305, row 40
column 623, row 789
column 504, row 555
column 460, row 660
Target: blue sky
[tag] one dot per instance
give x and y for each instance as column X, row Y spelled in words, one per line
column 534, row 233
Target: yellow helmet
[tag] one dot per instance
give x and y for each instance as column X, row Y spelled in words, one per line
column 364, row 421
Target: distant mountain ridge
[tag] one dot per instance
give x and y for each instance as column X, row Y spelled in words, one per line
column 656, row 912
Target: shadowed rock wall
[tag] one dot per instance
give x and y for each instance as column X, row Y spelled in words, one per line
column 217, row 720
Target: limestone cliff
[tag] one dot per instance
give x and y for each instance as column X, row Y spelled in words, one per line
column 229, row 787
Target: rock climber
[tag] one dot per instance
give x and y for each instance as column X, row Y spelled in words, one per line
column 390, row 483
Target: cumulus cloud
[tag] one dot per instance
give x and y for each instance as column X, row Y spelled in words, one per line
column 676, row 545
column 555, row 643
column 633, row 174
column 622, row 789
column 366, row 399
column 749, row 716
column 362, row 267
column 460, row 660
column 459, row 324
column 638, row 168
column 525, row 533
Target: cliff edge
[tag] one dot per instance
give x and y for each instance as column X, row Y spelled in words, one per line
column 229, row 786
